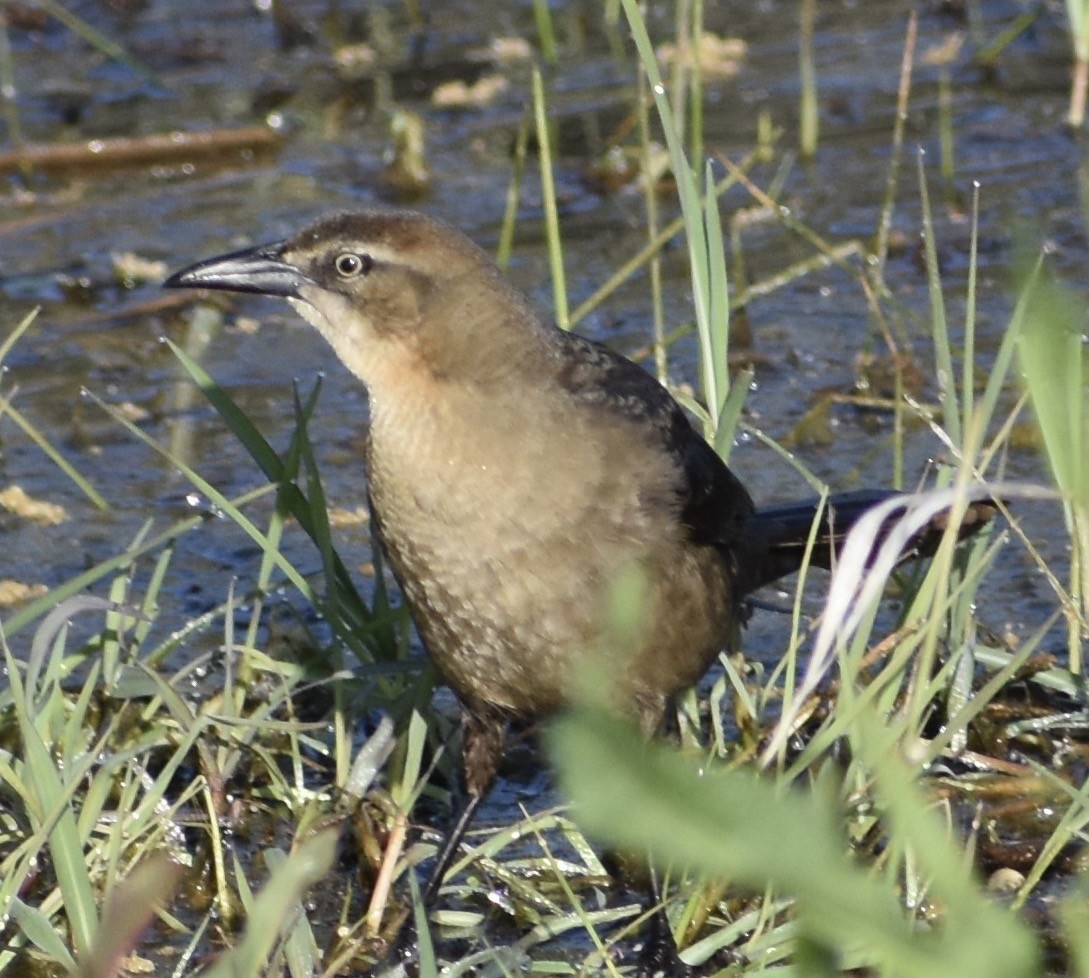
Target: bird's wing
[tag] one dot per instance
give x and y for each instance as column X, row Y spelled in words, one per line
column 714, row 505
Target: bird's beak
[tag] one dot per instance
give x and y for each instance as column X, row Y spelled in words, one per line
column 261, row 270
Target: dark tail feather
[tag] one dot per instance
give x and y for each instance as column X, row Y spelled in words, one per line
column 775, row 536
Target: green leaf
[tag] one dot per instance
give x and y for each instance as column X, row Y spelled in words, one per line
column 274, row 905
column 744, row 827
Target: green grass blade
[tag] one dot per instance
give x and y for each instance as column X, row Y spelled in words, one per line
column 731, row 413
column 130, row 909
column 548, row 199
column 273, row 905
column 40, row 606
column 757, row 833
column 218, row 500
column 244, row 429
column 98, row 40
column 14, row 336
column 358, row 629
column 947, row 387
column 718, row 317
column 84, row 486
column 39, row 930
column 52, row 795
column 300, row 947
column 694, row 220
column 1050, row 352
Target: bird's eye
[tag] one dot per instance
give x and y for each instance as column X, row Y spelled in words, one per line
column 349, row 264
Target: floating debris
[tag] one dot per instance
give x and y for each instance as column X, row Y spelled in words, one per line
column 717, row 57
column 15, row 500
column 458, row 95
column 132, row 269
column 14, row 593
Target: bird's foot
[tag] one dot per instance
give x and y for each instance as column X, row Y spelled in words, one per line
column 657, row 961
column 659, row 957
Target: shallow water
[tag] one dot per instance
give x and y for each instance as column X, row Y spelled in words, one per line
column 55, row 246
column 58, row 231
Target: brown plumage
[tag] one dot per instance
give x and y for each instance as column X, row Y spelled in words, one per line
column 516, row 470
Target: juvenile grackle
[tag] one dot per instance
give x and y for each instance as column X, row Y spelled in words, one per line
column 515, row 470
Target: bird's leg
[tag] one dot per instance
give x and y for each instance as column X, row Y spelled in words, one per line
column 660, row 957
column 483, row 736
column 450, row 848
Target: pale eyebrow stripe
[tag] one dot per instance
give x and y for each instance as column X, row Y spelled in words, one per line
column 380, row 254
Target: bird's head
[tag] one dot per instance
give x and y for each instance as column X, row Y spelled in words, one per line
column 391, row 292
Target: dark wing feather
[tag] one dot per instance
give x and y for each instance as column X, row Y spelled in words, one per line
column 715, row 506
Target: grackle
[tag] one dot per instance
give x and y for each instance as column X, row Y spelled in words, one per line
column 515, row 470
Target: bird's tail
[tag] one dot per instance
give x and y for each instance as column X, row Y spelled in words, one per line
column 775, row 536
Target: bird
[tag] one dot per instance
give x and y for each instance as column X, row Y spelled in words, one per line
column 516, row 471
